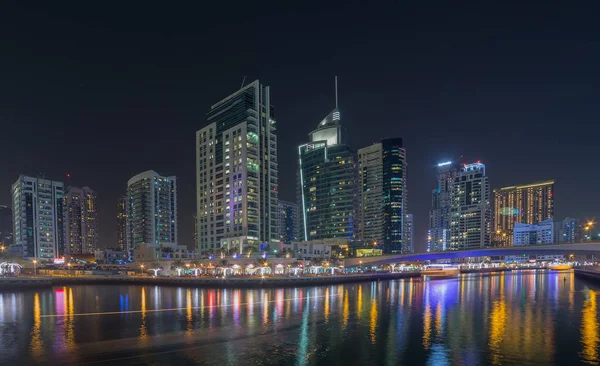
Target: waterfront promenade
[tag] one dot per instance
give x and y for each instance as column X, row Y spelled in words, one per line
column 206, row 282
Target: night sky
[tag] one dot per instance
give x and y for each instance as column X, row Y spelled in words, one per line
column 106, row 91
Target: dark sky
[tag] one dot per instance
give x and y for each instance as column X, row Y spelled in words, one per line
column 105, row 91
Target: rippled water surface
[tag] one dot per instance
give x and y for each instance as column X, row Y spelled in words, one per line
column 525, row 318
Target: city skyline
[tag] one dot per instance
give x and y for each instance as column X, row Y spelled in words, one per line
column 439, row 100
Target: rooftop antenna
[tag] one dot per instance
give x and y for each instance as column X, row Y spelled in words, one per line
column 243, row 81
column 336, row 94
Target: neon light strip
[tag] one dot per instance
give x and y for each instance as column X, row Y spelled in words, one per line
column 302, row 189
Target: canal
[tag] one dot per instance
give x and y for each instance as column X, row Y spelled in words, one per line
column 525, row 318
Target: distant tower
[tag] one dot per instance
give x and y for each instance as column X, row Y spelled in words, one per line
column 81, row 221
column 151, row 210
column 470, row 214
column 122, row 222
column 288, row 221
column 6, row 226
column 438, row 235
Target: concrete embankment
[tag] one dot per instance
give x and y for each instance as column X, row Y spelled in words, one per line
column 589, row 274
column 207, row 282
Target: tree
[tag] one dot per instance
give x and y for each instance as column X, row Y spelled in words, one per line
column 178, row 264
column 155, row 266
column 224, row 262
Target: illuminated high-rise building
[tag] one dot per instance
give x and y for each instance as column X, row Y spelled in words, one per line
column 236, row 172
column 571, row 231
column 81, row 221
column 382, row 196
column 151, row 210
column 288, row 222
column 122, row 222
column 6, row 227
column 195, row 219
column 38, row 218
column 525, row 204
column 470, row 214
column 408, row 233
column 327, row 167
column 438, row 235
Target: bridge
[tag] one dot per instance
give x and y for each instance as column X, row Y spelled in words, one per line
column 590, row 248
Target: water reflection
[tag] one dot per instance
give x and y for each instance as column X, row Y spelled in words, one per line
column 36, row 344
column 589, row 328
column 143, row 329
column 474, row 319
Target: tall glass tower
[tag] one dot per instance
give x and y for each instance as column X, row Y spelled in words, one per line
column 382, row 196
column 236, row 172
column 438, row 236
column 151, row 210
column 327, row 167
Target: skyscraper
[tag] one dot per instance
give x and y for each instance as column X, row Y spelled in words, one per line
column 122, row 222
column 195, row 239
column 382, row 195
column 38, row 218
column 408, row 234
column 151, row 210
column 327, row 167
column 236, row 172
column 470, row 214
column 526, row 204
column 438, row 235
column 6, row 226
column 288, row 222
column 571, row 231
column 81, row 221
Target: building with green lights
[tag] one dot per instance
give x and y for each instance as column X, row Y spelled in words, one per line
column 236, row 173
column 328, row 176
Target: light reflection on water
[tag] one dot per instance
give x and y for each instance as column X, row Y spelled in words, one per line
column 507, row 318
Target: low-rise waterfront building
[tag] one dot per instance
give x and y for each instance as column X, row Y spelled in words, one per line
column 532, row 234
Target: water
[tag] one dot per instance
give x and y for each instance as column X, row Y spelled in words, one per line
column 528, row 318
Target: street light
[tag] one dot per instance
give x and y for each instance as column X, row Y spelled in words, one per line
column 142, row 268
column 34, row 268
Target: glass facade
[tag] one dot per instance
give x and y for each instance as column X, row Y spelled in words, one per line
column 6, row 226
column 151, row 210
column 438, row 235
column 327, row 183
column 394, row 197
column 382, row 196
column 122, row 223
column 288, row 222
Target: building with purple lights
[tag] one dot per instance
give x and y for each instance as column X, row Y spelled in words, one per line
column 236, row 173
